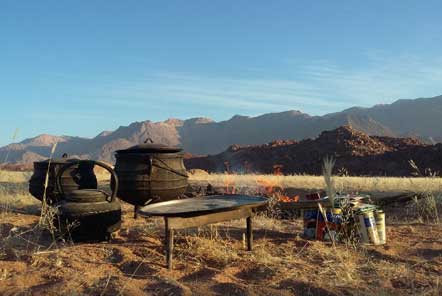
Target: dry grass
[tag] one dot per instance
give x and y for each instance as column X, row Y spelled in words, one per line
column 15, row 196
column 212, row 260
column 23, row 177
column 14, row 177
column 342, row 184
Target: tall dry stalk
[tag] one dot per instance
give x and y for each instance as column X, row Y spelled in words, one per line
column 14, row 136
column 327, row 171
column 7, row 205
column 48, row 213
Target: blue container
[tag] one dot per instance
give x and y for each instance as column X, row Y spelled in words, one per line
column 310, row 214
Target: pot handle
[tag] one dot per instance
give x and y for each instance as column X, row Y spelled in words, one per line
column 114, row 177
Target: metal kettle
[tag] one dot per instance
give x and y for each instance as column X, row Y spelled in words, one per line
column 93, row 213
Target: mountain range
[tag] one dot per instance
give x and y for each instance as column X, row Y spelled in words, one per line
column 420, row 118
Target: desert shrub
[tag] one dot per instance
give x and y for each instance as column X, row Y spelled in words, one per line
column 427, row 206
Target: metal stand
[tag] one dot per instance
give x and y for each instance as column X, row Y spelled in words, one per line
column 172, row 223
column 168, row 243
column 249, row 233
column 136, row 211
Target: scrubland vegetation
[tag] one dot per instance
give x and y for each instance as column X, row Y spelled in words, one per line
column 212, row 260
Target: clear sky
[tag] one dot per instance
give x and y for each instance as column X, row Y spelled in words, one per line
column 80, row 67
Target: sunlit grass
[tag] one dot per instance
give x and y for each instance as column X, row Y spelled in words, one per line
column 342, row 184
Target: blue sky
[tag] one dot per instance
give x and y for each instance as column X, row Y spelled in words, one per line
column 80, row 67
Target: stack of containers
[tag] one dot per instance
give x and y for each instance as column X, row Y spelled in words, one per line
column 369, row 219
column 316, row 226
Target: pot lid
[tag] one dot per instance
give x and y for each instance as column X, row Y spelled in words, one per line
column 150, row 148
column 86, row 195
column 64, row 159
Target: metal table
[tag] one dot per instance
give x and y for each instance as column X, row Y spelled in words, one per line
column 195, row 212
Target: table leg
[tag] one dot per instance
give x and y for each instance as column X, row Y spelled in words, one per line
column 169, row 244
column 249, row 234
column 135, row 211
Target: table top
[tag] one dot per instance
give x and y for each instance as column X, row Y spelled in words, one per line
column 202, row 205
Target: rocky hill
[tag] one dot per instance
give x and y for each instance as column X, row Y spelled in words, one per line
column 356, row 153
column 419, row 118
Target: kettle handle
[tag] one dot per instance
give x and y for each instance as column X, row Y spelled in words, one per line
column 114, row 177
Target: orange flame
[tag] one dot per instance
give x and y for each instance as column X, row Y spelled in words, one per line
column 277, row 169
column 229, row 184
column 285, row 198
column 268, row 184
column 271, row 184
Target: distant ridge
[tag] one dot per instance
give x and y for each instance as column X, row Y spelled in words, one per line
column 419, row 118
column 355, row 152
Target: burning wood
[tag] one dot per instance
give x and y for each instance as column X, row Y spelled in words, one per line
column 285, row 198
column 272, row 186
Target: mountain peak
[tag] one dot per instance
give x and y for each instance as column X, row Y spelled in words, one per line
column 174, row 121
column 198, row 120
column 104, row 134
column 296, row 112
column 343, row 132
column 44, row 140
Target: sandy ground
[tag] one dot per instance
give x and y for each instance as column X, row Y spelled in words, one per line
column 213, row 261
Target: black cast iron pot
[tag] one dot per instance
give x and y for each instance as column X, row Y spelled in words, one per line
column 150, row 173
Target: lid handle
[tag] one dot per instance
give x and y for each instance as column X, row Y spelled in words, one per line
column 149, row 139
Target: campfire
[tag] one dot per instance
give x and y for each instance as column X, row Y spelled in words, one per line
column 273, row 186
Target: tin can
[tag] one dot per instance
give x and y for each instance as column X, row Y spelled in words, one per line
column 370, row 226
column 310, row 219
column 336, row 219
column 380, row 226
column 363, row 229
column 310, row 215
